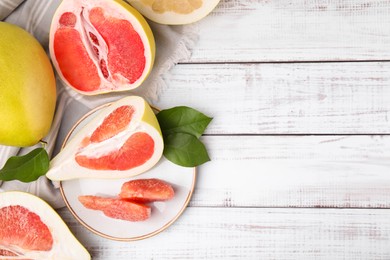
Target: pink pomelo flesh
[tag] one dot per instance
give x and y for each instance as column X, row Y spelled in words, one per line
column 117, row 208
column 4, row 252
column 24, row 229
column 113, row 124
column 105, row 49
column 125, row 48
column 136, row 150
column 147, row 190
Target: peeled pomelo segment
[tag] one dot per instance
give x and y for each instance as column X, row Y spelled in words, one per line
column 24, row 229
column 101, row 46
column 174, row 12
column 31, row 229
column 147, row 190
column 137, row 149
column 121, row 140
column 117, row 208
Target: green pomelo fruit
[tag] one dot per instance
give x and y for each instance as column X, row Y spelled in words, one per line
column 31, row 229
column 27, row 88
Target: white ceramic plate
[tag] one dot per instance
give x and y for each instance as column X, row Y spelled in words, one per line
column 163, row 214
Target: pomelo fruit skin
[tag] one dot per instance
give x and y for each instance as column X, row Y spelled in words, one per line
column 121, row 155
column 27, row 88
column 96, row 46
column 38, row 244
column 186, row 11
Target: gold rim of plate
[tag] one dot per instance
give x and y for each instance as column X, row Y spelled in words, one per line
column 103, row 234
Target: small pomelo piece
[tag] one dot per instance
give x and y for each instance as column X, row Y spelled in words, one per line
column 27, row 88
column 124, row 139
column 117, row 208
column 147, row 190
column 31, row 229
column 101, row 46
column 174, row 11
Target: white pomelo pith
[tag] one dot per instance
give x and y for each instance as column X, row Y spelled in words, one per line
column 34, row 212
column 127, row 149
column 100, row 46
column 174, row 12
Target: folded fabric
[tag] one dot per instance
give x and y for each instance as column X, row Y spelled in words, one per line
column 173, row 43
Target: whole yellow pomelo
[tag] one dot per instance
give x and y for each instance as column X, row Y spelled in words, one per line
column 27, row 88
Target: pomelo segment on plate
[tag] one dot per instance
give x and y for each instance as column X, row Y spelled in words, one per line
column 101, row 46
column 31, row 229
column 174, row 12
column 146, row 190
column 123, row 139
column 117, row 208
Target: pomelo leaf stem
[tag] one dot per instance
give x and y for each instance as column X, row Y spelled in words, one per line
column 43, row 143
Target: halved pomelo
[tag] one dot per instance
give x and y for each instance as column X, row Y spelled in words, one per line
column 124, row 139
column 31, row 229
column 174, row 11
column 101, row 46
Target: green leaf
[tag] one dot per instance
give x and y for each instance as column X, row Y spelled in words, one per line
column 185, row 150
column 26, row 168
column 182, row 120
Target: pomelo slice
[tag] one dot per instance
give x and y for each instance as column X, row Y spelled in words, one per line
column 117, row 208
column 101, row 46
column 31, row 229
column 174, row 12
column 146, row 190
column 124, row 139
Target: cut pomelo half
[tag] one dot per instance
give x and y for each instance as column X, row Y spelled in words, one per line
column 31, row 229
column 101, row 46
column 123, row 139
column 174, row 12
column 117, row 208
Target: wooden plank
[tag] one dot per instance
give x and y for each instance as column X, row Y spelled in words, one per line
column 295, row 30
column 255, row 233
column 299, row 98
column 295, row 171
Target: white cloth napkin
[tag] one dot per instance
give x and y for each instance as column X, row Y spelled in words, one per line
column 173, row 43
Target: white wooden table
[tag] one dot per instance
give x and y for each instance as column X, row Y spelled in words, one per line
column 300, row 146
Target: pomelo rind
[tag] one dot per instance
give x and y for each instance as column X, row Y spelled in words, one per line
column 172, row 18
column 64, row 167
column 140, row 25
column 65, row 245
